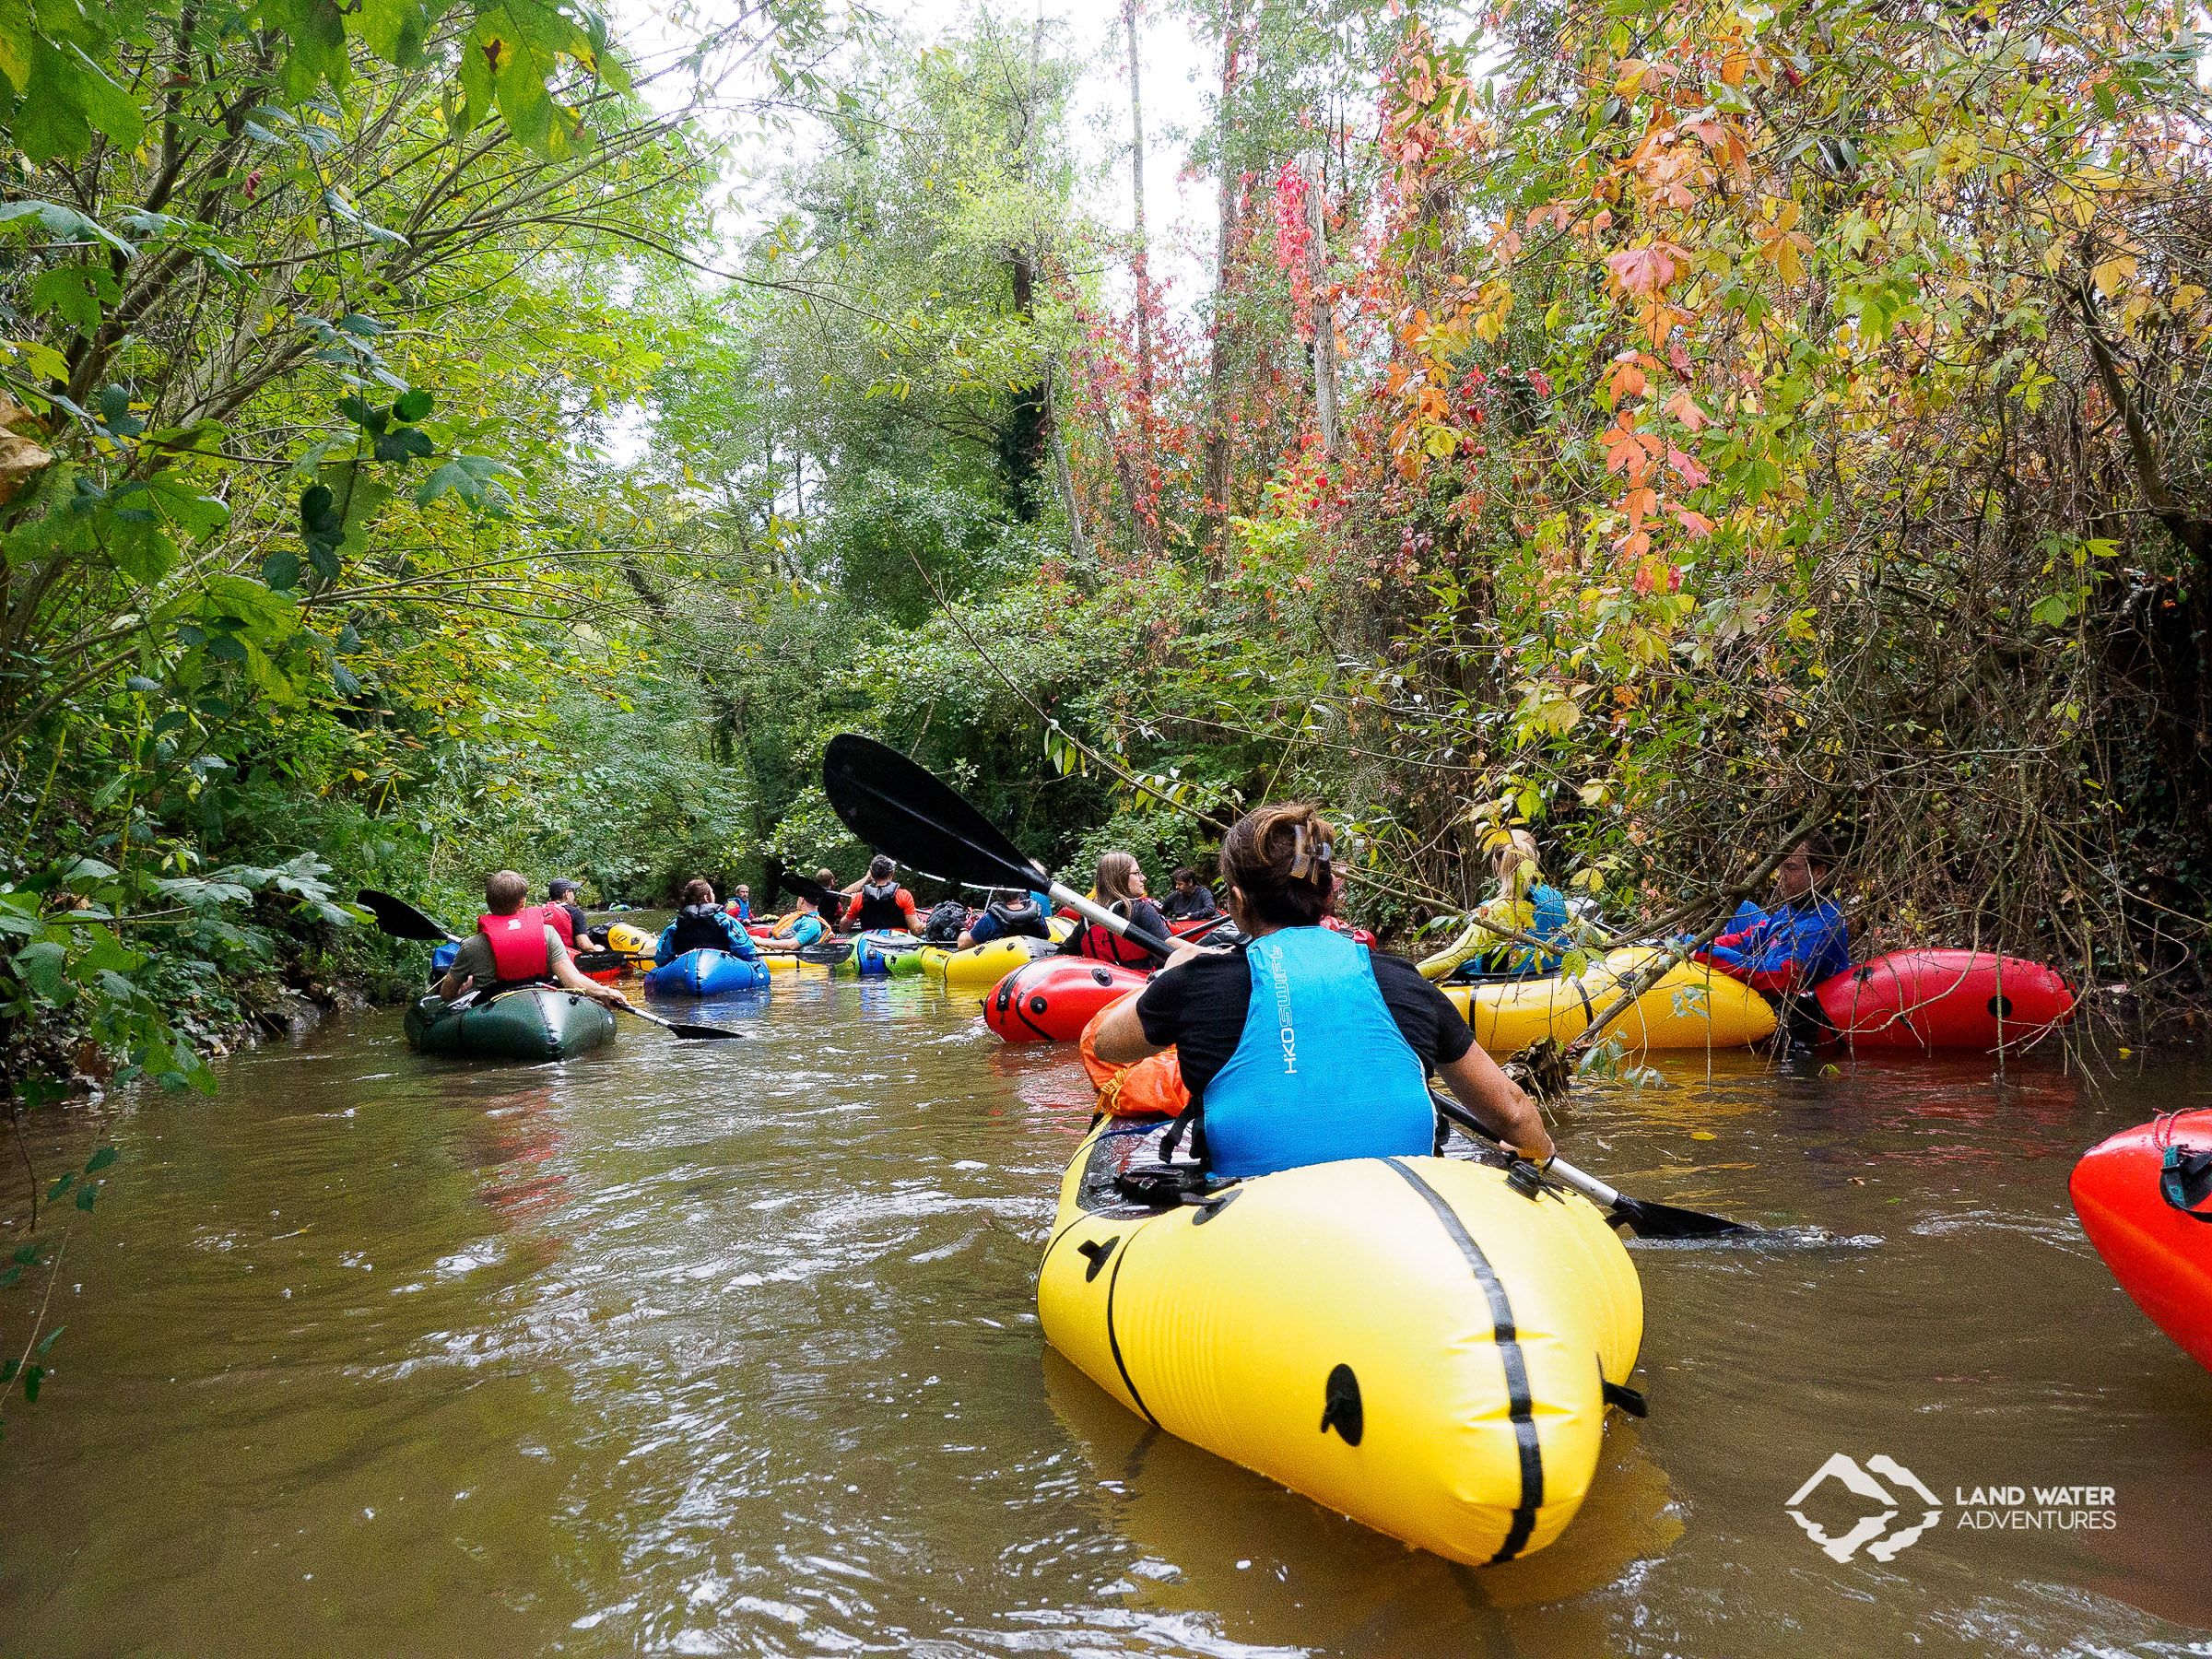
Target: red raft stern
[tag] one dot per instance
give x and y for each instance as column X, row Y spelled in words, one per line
column 2144, row 1198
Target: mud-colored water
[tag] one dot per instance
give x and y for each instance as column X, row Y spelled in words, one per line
column 731, row 1348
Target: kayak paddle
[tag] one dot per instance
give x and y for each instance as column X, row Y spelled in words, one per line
column 402, row 920
column 1651, row 1220
column 902, row 809
column 681, row 1029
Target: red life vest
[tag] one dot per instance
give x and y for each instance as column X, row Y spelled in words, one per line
column 518, row 945
column 1109, row 946
column 557, row 918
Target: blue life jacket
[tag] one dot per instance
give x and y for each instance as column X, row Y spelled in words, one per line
column 1322, row 1071
column 1548, row 920
column 1786, row 950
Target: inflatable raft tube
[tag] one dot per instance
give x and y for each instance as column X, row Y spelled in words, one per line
column 1051, row 999
column 1932, row 999
column 876, row 955
column 1411, row 1342
column 980, row 966
column 537, row 1022
column 2144, row 1198
column 706, row 972
column 1692, row 1007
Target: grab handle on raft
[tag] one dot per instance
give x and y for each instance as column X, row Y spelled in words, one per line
column 1651, row 1220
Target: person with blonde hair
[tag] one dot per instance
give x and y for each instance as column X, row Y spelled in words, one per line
column 1300, row 1045
column 1525, row 903
column 1120, row 889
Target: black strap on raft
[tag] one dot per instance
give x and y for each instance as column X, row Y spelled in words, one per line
column 2185, row 1180
column 1628, row 1399
column 1192, row 1118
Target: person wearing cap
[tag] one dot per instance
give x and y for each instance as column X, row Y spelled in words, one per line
column 560, row 895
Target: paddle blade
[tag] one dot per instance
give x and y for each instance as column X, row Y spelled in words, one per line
column 828, row 900
column 707, row 1032
column 1664, row 1221
column 898, row 807
column 826, row 955
column 400, row 919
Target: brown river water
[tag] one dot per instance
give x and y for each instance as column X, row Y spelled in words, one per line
column 731, row 1349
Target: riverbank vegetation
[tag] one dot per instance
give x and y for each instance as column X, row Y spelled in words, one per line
column 435, row 437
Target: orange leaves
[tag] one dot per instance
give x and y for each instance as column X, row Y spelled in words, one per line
column 1631, row 452
column 1784, row 245
column 1684, row 408
column 1628, row 381
column 1646, row 271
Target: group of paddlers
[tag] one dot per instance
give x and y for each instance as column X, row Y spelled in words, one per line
column 1298, row 1043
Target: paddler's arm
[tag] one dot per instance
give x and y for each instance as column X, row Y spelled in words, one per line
column 565, row 974
column 1121, row 1038
column 1491, row 1095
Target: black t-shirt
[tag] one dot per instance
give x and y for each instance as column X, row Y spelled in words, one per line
column 1199, row 1005
column 1194, row 906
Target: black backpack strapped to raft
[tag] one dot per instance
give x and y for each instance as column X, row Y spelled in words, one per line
column 2185, row 1180
column 946, row 922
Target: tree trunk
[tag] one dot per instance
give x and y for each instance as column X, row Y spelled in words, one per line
column 1136, row 186
column 1214, row 508
column 1325, row 314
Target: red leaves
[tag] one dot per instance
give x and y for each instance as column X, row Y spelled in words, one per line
column 1646, row 271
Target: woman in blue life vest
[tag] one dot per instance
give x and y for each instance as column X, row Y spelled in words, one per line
column 1301, row 1046
column 702, row 925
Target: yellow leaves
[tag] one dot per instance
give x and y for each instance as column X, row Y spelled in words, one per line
column 1784, row 249
column 2111, row 274
column 1733, row 66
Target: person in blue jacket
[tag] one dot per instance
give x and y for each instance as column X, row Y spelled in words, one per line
column 1786, row 951
column 1300, row 1045
column 702, row 925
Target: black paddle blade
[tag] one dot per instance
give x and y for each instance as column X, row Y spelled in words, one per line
column 1664, row 1221
column 898, row 808
column 826, row 955
column 677, row 1027
column 828, row 900
column 400, row 919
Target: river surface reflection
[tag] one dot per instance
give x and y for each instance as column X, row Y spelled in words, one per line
column 731, row 1348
